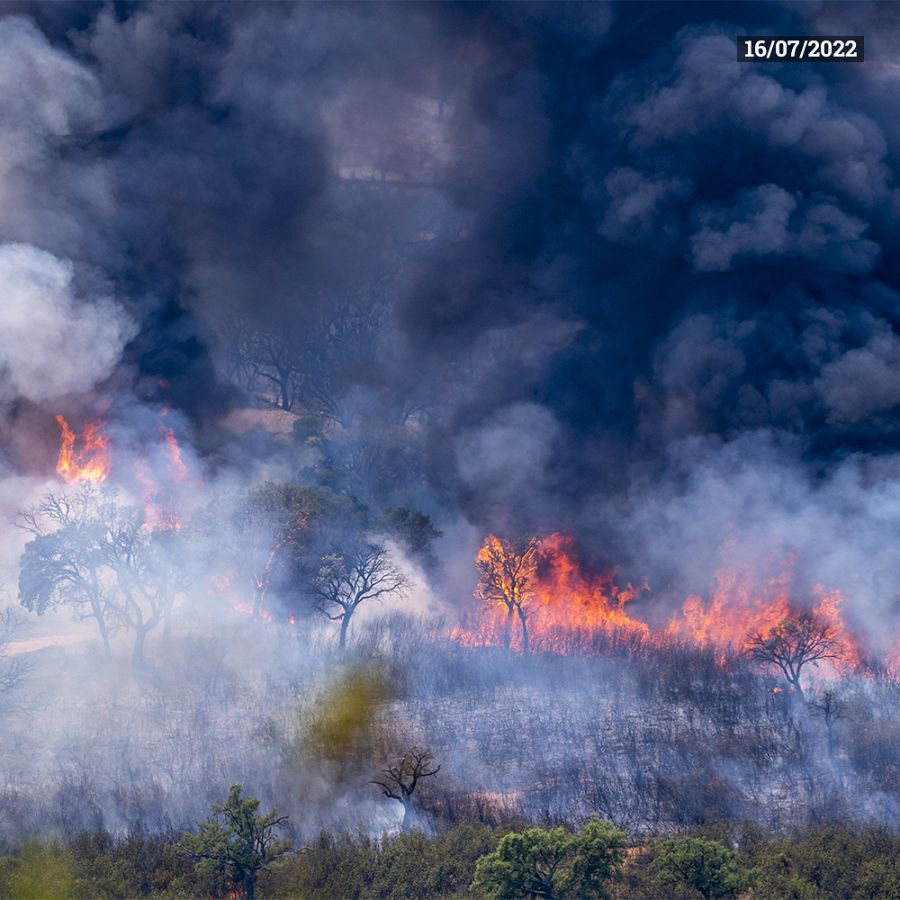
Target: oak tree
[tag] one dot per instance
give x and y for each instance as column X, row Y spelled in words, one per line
column 792, row 644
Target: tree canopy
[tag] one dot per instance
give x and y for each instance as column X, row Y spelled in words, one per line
column 706, row 866
column 236, row 843
column 553, row 863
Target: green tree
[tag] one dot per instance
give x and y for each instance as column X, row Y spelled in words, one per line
column 235, row 843
column 413, row 529
column 274, row 529
column 105, row 559
column 706, row 866
column 552, row 863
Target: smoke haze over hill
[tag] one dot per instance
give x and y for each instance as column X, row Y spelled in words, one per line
column 522, row 268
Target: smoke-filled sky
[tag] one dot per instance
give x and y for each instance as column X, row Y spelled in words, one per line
column 640, row 291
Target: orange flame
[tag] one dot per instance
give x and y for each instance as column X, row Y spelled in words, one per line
column 738, row 607
column 565, row 597
column 742, row 605
column 559, row 598
column 179, row 469
column 90, row 463
column 159, row 498
column 562, row 599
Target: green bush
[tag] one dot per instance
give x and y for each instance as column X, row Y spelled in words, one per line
column 552, row 863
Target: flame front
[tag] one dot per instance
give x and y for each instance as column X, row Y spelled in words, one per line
column 559, row 598
column 88, row 463
column 740, row 604
column 562, row 599
column 159, row 495
column 568, row 598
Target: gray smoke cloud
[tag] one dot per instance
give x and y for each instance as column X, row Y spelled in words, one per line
column 542, row 267
column 605, row 259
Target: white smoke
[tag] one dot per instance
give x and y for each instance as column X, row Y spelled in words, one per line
column 52, row 343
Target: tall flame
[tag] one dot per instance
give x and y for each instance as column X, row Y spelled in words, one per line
column 561, row 599
column 740, row 604
column 159, row 494
column 88, row 463
column 566, row 597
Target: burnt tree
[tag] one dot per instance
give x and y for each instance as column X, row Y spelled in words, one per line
column 830, row 707
column 348, row 578
column 792, row 644
column 506, row 571
column 399, row 782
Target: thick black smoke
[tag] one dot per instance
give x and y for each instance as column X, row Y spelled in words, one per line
column 638, row 290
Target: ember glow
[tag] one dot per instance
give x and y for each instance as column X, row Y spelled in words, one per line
column 83, row 458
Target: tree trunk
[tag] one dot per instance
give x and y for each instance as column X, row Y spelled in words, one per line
column 525, row 646
column 507, row 628
column 167, row 630
column 406, row 824
column 137, row 658
column 250, row 885
column 97, row 613
column 104, row 634
column 260, row 586
column 345, row 622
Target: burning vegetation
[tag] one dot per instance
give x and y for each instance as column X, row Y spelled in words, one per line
column 83, row 459
column 535, row 594
column 450, row 431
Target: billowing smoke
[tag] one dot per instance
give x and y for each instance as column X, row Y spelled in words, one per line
column 53, row 343
column 564, row 243
column 525, row 268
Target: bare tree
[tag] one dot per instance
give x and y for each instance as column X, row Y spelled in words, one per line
column 308, row 366
column 347, row 579
column 276, row 361
column 793, row 643
column 12, row 668
column 506, row 572
column 827, row 704
column 399, row 781
column 103, row 559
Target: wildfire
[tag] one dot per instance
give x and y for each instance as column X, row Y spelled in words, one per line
column 179, row 469
column 565, row 597
column 90, row 462
column 560, row 598
column 543, row 583
column 739, row 605
column 87, row 459
column 159, row 496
